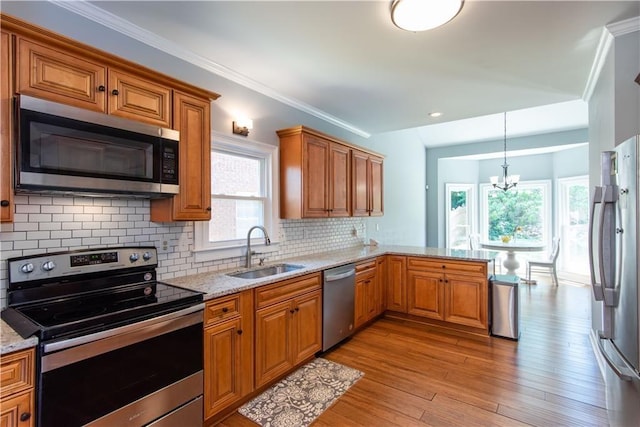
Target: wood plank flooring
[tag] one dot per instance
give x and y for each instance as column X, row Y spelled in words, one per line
column 416, row 375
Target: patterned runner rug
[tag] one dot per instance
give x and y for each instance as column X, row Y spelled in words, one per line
column 301, row 397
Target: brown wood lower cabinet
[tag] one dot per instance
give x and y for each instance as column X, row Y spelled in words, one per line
column 366, row 295
column 288, row 326
column 455, row 292
column 17, row 389
column 396, row 290
column 228, row 351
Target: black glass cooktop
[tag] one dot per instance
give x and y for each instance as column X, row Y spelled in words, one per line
column 96, row 311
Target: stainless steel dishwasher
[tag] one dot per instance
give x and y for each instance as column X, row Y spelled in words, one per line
column 338, row 304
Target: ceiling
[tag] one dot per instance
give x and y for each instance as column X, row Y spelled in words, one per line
column 346, row 62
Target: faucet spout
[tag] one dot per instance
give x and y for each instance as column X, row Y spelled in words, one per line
column 267, row 242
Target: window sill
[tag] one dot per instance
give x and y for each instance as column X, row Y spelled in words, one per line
column 225, row 252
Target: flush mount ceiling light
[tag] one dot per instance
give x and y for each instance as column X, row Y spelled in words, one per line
column 421, row 15
column 508, row 181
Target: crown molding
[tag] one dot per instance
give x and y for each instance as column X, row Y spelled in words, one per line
column 116, row 23
column 609, row 33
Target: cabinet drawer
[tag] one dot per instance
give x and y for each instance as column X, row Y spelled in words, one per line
column 286, row 289
column 367, row 265
column 221, row 309
column 16, row 372
column 414, row 263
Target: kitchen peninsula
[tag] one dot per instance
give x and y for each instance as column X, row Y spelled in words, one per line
column 443, row 287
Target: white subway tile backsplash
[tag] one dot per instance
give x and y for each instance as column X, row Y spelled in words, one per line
column 51, row 224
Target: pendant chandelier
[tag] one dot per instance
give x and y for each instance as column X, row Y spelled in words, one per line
column 508, row 181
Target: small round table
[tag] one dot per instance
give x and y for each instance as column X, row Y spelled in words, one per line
column 511, row 263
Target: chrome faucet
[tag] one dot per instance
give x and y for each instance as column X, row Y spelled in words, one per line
column 267, row 242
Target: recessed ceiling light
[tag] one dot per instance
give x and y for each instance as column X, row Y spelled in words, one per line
column 435, row 114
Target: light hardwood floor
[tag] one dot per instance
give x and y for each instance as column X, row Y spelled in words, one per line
column 417, row 375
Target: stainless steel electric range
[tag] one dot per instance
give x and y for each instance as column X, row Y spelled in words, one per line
column 116, row 346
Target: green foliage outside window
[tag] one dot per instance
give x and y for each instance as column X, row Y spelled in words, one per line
column 510, row 209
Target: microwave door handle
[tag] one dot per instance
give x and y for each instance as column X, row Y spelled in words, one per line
column 597, row 287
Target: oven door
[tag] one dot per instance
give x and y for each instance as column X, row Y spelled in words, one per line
column 128, row 376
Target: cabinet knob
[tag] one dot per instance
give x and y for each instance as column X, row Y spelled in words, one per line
column 297, row 308
column 25, row 416
column 225, row 309
column 291, row 311
column 4, row 203
column 101, row 88
column 208, row 209
column 444, row 266
column 239, row 331
column 115, row 92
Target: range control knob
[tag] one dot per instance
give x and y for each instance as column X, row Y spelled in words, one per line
column 146, row 256
column 27, row 268
column 48, row 266
column 134, row 257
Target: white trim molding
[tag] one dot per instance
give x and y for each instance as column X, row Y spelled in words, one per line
column 609, row 33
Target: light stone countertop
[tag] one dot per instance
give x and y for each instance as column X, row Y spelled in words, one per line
column 218, row 283
column 10, row 340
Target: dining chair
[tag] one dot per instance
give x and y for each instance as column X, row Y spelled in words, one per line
column 546, row 264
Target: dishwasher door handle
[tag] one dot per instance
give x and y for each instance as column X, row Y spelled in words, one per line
column 334, row 277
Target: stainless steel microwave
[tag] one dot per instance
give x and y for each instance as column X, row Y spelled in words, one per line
column 63, row 149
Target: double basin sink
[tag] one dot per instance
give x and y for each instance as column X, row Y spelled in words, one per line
column 271, row 270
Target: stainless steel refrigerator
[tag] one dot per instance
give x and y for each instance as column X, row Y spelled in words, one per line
column 613, row 250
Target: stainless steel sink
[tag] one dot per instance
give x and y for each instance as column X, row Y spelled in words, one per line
column 266, row 271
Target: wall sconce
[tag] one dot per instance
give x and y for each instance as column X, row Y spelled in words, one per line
column 242, row 126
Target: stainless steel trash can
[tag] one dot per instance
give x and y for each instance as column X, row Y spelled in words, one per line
column 505, row 306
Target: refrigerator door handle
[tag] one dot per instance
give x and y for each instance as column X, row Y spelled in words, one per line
column 609, row 197
column 597, row 287
column 625, row 373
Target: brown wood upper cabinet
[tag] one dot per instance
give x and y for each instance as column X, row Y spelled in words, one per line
column 6, row 147
column 54, row 74
column 53, row 67
column 367, row 184
column 193, row 120
column 314, row 175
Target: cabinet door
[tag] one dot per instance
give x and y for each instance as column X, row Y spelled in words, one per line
column 273, row 343
column 17, row 411
column 396, row 287
column 58, row 76
column 223, row 368
column 466, row 300
column 359, row 192
column 138, row 99
column 315, row 188
column 360, row 300
column 375, row 187
column 381, row 284
column 192, row 118
column 339, row 177
column 307, row 326
column 425, row 294
column 6, row 147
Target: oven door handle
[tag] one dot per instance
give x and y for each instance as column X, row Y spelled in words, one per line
column 81, row 348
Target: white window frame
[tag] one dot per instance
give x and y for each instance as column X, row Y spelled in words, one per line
column 547, row 219
column 204, row 250
column 470, row 189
